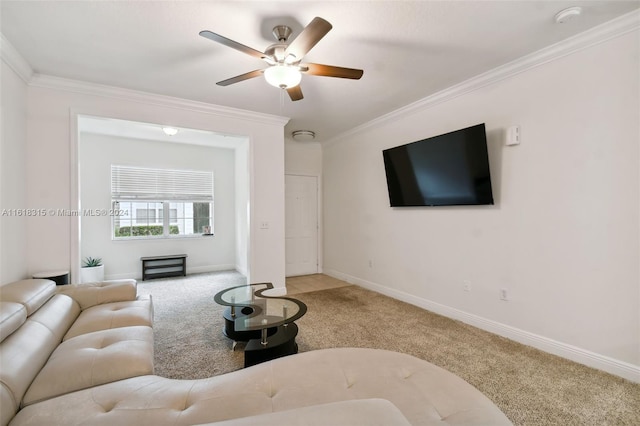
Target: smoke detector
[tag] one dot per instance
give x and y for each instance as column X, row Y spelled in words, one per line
column 568, row 14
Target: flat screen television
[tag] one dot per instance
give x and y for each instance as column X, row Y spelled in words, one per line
column 445, row 170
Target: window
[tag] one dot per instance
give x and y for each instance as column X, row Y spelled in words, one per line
column 146, row 213
column 160, row 203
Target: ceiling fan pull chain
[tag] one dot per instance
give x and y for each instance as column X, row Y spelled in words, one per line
column 281, row 101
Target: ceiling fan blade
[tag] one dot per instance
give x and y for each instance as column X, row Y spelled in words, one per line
column 233, row 44
column 308, row 38
column 241, row 77
column 295, row 93
column 331, row 71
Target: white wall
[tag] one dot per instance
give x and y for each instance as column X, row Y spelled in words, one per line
column 242, row 230
column 13, row 229
column 563, row 237
column 302, row 158
column 54, row 106
column 122, row 258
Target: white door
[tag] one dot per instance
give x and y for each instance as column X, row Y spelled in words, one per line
column 301, row 225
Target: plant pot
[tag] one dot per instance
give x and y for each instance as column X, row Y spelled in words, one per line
column 92, row 274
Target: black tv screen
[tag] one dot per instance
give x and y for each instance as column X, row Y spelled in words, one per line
column 446, row 170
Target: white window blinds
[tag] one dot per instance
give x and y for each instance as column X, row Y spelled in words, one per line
column 160, row 184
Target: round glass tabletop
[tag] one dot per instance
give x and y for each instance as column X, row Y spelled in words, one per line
column 253, row 310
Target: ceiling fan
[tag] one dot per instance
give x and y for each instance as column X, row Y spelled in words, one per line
column 284, row 59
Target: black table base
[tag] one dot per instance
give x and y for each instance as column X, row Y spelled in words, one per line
column 281, row 340
column 281, row 343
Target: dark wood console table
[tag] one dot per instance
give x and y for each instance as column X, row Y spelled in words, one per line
column 172, row 265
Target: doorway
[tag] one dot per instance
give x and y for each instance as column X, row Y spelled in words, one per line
column 301, row 225
column 102, row 142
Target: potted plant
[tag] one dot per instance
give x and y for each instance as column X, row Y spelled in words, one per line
column 92, row 270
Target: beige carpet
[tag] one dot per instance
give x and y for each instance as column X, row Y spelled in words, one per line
column 530, row 386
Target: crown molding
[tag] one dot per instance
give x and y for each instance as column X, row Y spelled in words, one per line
column 18, row 64
column 94, row 89
column 14, row 60
column 596, row 35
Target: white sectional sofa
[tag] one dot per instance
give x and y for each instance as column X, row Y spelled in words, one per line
column 83, row 354
column 57, row 340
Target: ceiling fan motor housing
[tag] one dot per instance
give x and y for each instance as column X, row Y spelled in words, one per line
column 276, row 51
column 281, row 33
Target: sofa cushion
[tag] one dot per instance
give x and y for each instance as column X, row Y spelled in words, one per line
column 91, row 294
column 22, row 355
column 30, row 293
column 424, row 392
column 58, row 314
column 25, row 351
column 94, row 359
column 369, row 412
column 12, row 316
column 112, row 315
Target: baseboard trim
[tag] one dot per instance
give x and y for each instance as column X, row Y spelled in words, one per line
column 591, row 359
column 210, row 268
column 190, row 270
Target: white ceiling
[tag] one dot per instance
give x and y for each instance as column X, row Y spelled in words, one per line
column 407, row 49
column 147, row 131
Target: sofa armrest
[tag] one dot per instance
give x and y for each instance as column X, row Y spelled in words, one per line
column 91, row 294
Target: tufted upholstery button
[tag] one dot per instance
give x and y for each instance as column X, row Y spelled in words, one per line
column 108, row 407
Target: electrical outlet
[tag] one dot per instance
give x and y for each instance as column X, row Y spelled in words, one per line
column 466, row 285
column 504, row 294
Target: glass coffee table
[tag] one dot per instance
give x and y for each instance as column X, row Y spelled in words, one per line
column 266, row 323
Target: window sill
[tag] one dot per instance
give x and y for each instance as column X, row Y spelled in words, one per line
column 162, row 237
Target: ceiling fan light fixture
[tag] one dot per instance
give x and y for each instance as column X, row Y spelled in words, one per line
column 283, row 76
column 303, row 135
